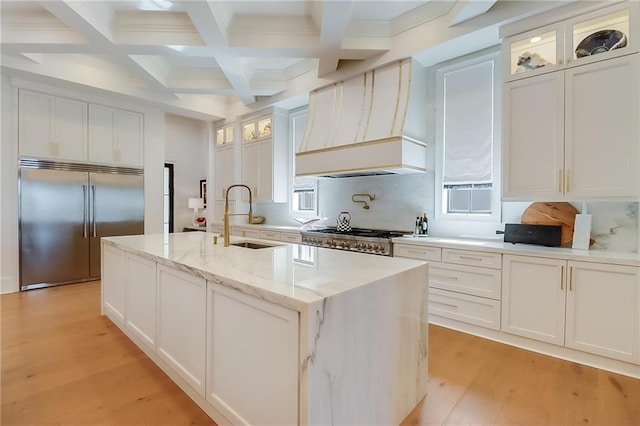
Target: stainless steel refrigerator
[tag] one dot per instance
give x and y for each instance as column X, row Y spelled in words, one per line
column 64, row 211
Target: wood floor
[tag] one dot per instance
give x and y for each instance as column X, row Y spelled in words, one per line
column 62, row 363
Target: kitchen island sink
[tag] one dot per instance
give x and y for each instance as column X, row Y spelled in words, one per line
column 252, row 245
column 290, row 335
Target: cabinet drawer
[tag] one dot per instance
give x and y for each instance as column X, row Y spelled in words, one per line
column 483, row 282
column 270, row 235
column 291, row 237
column 470, row 309
column 217, row 229
column 251, row 234
column 417, row 252
column 472, row 258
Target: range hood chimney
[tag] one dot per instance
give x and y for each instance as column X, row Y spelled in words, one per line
column 371, row 124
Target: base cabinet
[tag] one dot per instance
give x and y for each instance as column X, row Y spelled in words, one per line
column 113, row 283
column 141, row 299
column 181, row 324
column 603, row 310
column 586, row 306
column 260, row 351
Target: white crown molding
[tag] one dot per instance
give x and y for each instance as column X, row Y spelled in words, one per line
column 302, row 67
column 420, row 15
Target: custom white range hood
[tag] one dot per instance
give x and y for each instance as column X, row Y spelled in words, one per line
column 371, row 124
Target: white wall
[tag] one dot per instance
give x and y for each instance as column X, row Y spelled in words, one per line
column 153, row 166
column 8, row 194
column 186, row 146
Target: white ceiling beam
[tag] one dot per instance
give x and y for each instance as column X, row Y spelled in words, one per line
column 334, row 21
column 83, row 17
column 212, row 23
column 469, row 9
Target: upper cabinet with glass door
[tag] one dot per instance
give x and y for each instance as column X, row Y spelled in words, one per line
column 603, row 34
column 589, row 37
column 256, row 129
column 224, row 135
column 534, row 52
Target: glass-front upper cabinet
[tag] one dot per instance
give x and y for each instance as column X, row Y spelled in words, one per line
column 609, row 32
column 534, row 52
column 256, row 129
column 585, row 38
column 224, row 135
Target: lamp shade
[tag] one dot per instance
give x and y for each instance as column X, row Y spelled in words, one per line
column 196, row 203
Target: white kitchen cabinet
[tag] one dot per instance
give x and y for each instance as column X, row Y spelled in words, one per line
column 603, row 310
column 265, row 157
column 113, row 283
column 237, row 231
column 224, row 172
column 533, row 138
column 555, row 46
column 141, row 299
column 260, row 351
column 270, row 235
column 586, row 306
column 115, row 136
column 51, row 127
column 570, row 136
column 291, row 237
column 181, row 325
column 602, row 129
column 533, row 297
column 464, row 285
column 224, row 135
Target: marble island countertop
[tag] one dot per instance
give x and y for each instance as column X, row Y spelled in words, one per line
column 498, row 246
column 290, row 275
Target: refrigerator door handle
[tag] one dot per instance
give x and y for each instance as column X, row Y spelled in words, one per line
column 84, row 211
column 93, row 202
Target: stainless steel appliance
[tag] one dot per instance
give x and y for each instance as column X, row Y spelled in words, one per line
column 64, row 210
column 374, row 241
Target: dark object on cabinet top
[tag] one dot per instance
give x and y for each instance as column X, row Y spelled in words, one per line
column 543, row 235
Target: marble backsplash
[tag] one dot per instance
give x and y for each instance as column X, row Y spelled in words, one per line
column 399, row 198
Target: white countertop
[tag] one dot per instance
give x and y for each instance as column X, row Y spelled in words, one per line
column 600, row 256
column 291, row 275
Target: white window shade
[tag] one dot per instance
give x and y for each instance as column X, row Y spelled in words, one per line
column 468, row 124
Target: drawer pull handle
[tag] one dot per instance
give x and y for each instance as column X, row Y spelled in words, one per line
column 562, row 277
column 446, row 304
column 416, row 251
column 479, row 259
column 448, row 277
column 571, row 278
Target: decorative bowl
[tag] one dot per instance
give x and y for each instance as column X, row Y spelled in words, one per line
column 201, row 219
column 601, row 41
column 258, row 220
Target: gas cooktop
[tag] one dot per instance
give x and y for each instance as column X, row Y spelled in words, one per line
column 374, row 241
column 360, row 232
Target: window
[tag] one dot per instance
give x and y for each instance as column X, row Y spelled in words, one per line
column 304, row 196
column 467, row 165
column 168, row 198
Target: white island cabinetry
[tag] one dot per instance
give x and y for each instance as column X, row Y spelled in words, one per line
column 260, row 351
column 258, row 336
column 181, row 324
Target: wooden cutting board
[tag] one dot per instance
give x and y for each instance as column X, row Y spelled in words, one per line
column 555, row 213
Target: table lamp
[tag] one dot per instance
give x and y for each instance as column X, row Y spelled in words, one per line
column 195, row 204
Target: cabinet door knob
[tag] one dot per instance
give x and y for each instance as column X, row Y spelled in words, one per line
column 567, row 180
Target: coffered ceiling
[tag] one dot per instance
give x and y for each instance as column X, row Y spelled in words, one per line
column 206, row 56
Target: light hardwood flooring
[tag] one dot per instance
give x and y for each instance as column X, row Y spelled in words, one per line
column 62, row 363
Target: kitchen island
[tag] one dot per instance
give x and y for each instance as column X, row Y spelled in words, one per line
column 284, row 334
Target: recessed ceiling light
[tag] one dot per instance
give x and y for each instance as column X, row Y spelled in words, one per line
column 535, row 39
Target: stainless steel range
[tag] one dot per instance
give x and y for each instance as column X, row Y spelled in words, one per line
column 374, row 241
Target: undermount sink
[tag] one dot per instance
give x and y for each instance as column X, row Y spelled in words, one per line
column 251, row 245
